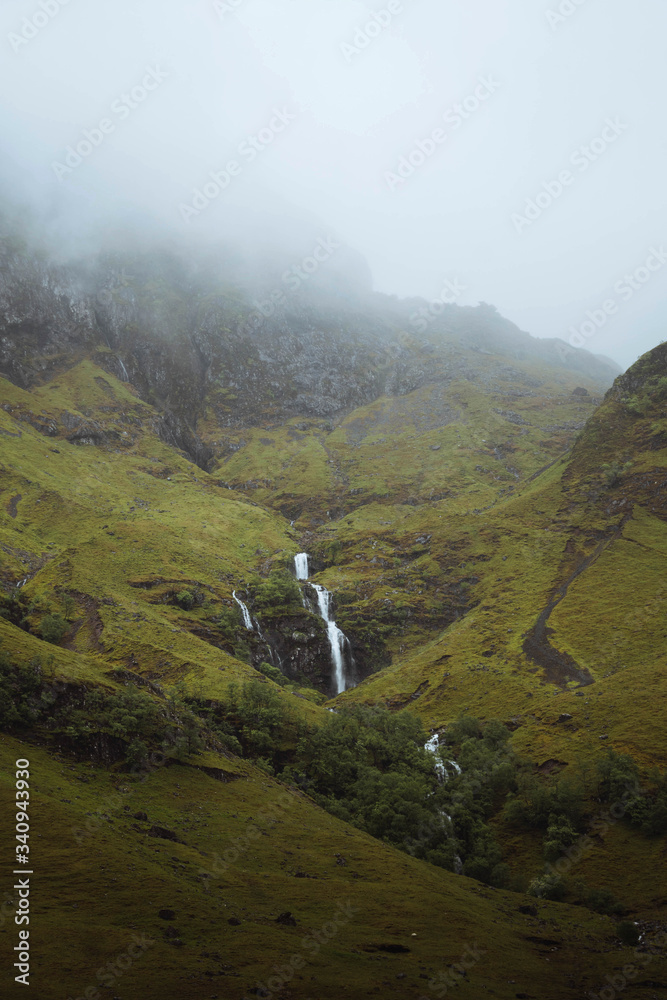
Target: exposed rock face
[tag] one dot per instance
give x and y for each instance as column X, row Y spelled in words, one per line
column 199, row 342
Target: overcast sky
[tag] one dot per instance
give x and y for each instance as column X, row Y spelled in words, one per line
column 418, row 131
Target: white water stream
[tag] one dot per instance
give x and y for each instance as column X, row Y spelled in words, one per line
column 443, row 775
column 247, row 620
column 440, row 769
column 338, row 641
column 301, row 566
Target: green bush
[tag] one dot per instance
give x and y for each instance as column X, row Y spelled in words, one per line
column 618, row 777
column 53, row 628
column 273, row 673
column 627, row 932
column 559, row 836
column 229, row 621
column 535, row 802
column 649, row 811
column 186, row 600
column 278, row 594
column 603, row 901
column 614, row 471
column 464, row 728
column 20, row 687
column 548, row 886
column 637, row 405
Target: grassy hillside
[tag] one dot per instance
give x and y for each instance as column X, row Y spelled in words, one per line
column 478, row 567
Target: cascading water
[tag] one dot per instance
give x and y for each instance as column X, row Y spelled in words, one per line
column 443, row 776
column 432, row 745
column 337, row 639
column 301, row 566
column 247, row 620
column 302, row 573
column 254, row 626
column 441, row 770
column 127, row 377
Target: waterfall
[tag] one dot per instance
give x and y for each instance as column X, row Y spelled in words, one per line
column 337, row 639
column 253, row 625
column 432, row 745
column 443, row 775
column 247, row 620
column 301, row 566
column 127, row 377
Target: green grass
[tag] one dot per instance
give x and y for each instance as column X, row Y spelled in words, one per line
column 440, row 560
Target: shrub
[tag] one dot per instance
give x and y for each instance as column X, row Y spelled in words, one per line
column 279, row 593
column 628, row 933
column 273, row 673
column 229, row 621
column 618, row 775
column 186, row 600
column 547, row 886
column 53, row 628
column 649, row 812
column 603, row 901
column 637, row 405
column 464, row 728
column 559, row 836
column 19, row 688
column 613, row 472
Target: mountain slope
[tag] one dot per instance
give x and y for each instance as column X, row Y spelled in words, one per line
column 492, row 533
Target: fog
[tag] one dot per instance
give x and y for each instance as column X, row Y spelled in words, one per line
column 513, row 148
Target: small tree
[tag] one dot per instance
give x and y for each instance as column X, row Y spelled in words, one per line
column 186, row 600
column 613, row 472
column 547, row 886
column 53, row 628
column 273, row 673
column 280, row 592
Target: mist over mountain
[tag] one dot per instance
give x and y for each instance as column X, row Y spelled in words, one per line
column 333, row 517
